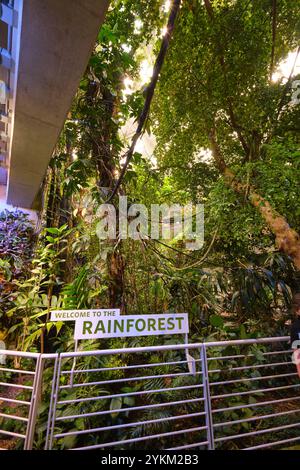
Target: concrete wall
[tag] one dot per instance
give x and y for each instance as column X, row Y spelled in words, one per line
column 33, row 216
column 56, row 42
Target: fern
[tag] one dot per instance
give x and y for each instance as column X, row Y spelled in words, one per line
column 75, row 295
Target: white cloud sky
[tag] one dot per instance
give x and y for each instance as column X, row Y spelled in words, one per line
column 286, row 66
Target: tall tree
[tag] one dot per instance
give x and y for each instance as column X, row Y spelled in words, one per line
column 215, row 92
column 101, row 108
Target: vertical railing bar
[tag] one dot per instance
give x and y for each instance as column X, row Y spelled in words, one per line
column 55, row 396
column 51, row 401
column 207, row 400
column 30, row 406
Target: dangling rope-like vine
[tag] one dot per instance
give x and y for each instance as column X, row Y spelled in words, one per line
column 149, row 93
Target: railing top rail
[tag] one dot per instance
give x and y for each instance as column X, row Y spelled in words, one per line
column 168, row 347
column 173, row 347
column 49, row 355
column 276, row 339
column 8, row 352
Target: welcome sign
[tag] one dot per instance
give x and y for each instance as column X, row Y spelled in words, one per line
column 109, row 323
column 131, row 325
column 72, row 315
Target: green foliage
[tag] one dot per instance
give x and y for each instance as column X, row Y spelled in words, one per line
column 101, row 107
column 34, row 299
column 16, row 237
column 217, row 73
column 16, row 246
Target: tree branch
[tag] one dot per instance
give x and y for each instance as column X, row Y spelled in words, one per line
column 233, row 120
column 209, row 9
column 150, row 92
column 287, row 239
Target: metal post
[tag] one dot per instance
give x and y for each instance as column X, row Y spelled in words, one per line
column 35, row 400
column 74, row 364
column 207, row 399
column 54, row 379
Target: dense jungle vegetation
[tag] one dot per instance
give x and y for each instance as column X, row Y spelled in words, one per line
column 223, row 129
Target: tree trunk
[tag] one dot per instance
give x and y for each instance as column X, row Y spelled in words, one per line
column 103, row 155
column 116, row 267
column 286, row 238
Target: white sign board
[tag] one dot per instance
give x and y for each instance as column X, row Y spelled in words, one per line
column 72, row 315
column 131, row 325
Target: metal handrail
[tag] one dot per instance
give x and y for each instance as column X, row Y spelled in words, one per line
column 208, row 413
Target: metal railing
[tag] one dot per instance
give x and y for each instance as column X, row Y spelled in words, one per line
column 20, row 380
column 222, row 395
